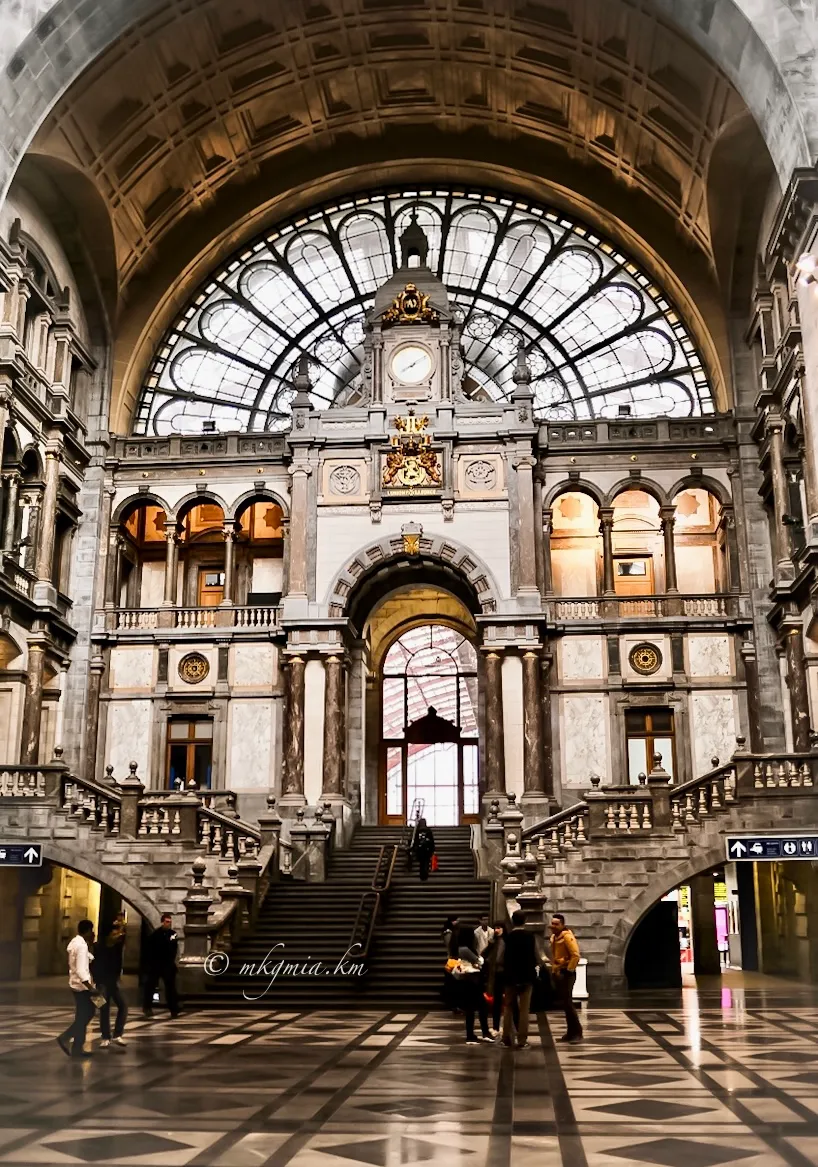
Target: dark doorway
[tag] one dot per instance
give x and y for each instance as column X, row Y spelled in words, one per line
column 652, row 960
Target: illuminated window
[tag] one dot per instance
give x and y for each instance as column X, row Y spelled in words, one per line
column 600, row 333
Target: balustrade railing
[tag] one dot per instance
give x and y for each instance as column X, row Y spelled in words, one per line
column 138, row 619
column 19, row 578
column 225, row 837
column 28, row 781
column 713, row 606
column 91, row 803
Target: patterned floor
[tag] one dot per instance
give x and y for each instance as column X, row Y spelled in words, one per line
column 696, row 1086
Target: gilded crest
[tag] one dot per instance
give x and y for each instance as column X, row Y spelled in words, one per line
column 410, row 306
column 411, row 463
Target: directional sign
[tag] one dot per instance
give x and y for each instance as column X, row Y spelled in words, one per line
column 21, row 855
column 752, row 847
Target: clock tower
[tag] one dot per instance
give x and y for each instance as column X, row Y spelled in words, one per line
column 412, row 338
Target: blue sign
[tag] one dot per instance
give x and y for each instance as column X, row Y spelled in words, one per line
column 751, row 847
column 21, row 855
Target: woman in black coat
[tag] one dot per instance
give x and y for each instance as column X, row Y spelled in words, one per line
column 424, row 847
column 470, row 984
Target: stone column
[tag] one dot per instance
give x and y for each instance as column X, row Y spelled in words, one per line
column 748, row 656
column 539, row 532
column 703, row 918
column 297, row 585
column 334, row 728
column 229, row 534
column 798, row 686
column 110, row 593
column 293, row 790
column 493, row 712
column 171, row 564
column 668, row 516
column 60, row 720
column 784, row 570
column 10, row 527
column 95, row 673
column 48, row 527
column 534, row 801
column 727, row 523
column 33, row 707
column 546, row 661
column 547, row 569
column 606, row 518
column 808, row 316
column 527, row 565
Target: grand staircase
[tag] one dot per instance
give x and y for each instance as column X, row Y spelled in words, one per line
column 314, row 922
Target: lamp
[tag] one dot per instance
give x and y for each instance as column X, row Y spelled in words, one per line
column 806, row 265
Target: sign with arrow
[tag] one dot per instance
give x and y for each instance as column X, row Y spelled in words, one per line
column 760, row 847
column 21, row 855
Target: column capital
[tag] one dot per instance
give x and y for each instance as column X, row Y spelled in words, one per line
column 606, row 516
column 667, row 512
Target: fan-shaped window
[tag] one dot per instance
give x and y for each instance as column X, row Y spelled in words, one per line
column 599, row 332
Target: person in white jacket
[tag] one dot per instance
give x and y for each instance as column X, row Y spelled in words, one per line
column 81, row 984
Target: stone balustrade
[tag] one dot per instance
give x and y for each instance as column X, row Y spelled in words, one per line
column 29, row 781
column 148, row 619
column 717, row 606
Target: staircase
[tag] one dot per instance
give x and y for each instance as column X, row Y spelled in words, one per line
column 314, row 922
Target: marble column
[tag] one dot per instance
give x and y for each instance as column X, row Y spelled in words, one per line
column 748, row 656
column 297, row 584
column 48, row 519
column 727, row 523
column 111, row 594
column 606, row 519
column 33, row 705
column 59, row 726
column 546, row 663
column 547, row 568
column 539, row 532
column 784, row 569
column 667, row 514
column 10, row 526
column 171, row 564
column 229, row 534
column 526, row 545
column 334, row 728
column 798, row 686
column 532, row 725
column 293, row 788
column 493, row 713
column 95, row 673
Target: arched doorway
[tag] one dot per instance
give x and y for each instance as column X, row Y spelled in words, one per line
column 429, row 734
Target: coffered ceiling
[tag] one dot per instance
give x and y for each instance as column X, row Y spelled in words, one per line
column 207, row 94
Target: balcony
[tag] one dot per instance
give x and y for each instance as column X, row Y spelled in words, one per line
column 720, row 606
column 242, row 619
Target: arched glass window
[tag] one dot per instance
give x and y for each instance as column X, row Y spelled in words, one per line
column 600, row 333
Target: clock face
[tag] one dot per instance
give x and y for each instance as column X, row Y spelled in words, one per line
column 411, row 364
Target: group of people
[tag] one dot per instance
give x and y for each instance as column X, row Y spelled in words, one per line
column 500, row 966
column 94, row 971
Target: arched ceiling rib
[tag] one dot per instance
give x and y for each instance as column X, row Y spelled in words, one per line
column 198, row 96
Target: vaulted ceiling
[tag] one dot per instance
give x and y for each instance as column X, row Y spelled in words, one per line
column 204, row 98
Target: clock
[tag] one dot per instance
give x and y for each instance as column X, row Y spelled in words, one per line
column 411, row 364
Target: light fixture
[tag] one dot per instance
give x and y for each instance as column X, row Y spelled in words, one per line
column 806, row 265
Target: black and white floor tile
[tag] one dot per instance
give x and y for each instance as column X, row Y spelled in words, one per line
column 707, row 1084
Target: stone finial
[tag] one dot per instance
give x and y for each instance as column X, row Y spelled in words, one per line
column 231, row 801
column 595, row 781
column 198, row 869
column 109, row 775
column 741, row 743
column 57, row 753
column 642, row 778
column 271, row 803
column 494, row 811
column 299, row 814
column 714, row 762
column 522, row 372
column 232, row 879
column 657, row 772
column 302, row 384
column 132, row 767
column 512, row 801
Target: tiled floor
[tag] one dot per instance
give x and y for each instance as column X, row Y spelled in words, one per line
column 711, row 1082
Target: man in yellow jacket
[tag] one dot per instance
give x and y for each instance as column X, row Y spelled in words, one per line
column 564, row 961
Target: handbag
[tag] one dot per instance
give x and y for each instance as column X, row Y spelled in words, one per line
column 434, row 864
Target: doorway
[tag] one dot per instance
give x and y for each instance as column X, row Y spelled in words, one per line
column 429, row 745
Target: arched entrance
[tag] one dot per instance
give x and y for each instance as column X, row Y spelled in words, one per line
column 429, row 735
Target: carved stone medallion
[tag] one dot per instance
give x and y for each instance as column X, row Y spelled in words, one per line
column 645, row 659
column 193, row 668
column 345, row 480
column 481, row 475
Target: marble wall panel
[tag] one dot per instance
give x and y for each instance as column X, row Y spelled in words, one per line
column 250, row 745
column 708, row 655
column 254, row 664
column 152, row 588
column 584, row 739
column 714, row 725
column 581, row 658
column 128, row 738
column 131, row 667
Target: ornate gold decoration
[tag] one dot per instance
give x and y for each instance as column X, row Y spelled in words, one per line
column 411, row 544
column 411, row 462
column 645, row 659
column 194, row 668
column 410, row 307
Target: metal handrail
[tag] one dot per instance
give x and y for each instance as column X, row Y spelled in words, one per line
column 384, row 885
column 415, row 815
column 369, row 905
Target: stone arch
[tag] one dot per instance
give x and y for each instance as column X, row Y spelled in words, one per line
column 701, row 482
column 85, row 864
column 644, row 484
column 574, row 486
column 145, row 498
column 390, row 551
column 196, row 498
column 263, row 494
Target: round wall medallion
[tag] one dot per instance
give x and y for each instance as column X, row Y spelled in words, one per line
column 344, row 480
column 645, row 659
column 194, row 668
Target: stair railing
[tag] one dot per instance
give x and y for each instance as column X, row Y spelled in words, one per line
column 371, row 901
column 410, row 830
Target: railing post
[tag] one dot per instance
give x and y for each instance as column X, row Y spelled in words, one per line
column 187, row 807
column 493, row 842
column 270, row 827
column 659, row 787
column 597, row 808
column 234, row 892
column 197, row 904
column 131, row 792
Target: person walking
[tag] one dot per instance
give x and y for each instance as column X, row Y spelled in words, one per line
column 449, row 934
column 160, row 964
column 564, row 961
column 469, row 978
column 495, row 977
column 424, row 848
column 81, row 984
column 107, row 971
column 520, row 969
column 483, row 936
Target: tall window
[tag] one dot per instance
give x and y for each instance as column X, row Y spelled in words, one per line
column 649, row 732
column 429, row 725
column 190, row 752
column 600, row 334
